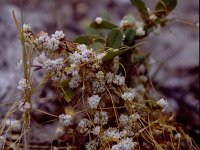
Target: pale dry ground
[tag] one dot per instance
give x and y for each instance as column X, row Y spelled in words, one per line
column 73, row 15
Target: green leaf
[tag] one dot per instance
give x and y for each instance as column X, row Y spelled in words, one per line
column 97, row 45
column 141, row 7
column 129, row 36
column 163, row 7
column 103, row 25
column 114, row 38
column 67, row 91
column 88, row 39
column 114, row 53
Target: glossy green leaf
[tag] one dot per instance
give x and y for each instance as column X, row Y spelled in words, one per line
column 88, row 39
column 114, row 52
column 67, row 92
column 97, row 45
column 129, row 36
column 163, row 7
column 114, row 39
column 103, row 25
column 141, row 7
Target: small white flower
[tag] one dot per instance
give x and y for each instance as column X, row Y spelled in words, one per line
column 98, row 87
column 14, row 124
column 119, row 80
column 58, row 35
column 109, row 77
column 130, row 95
column 52, row 44
column 23, row 107
column 98, row 20
column 124, row 22
column 84, row 125
column 112, row 133
column 140, row 31
column 134, row 117
column 23, row 85
column 163, row 103
column 124, row 119
column 75, row 81
column 100, row 75
column 81, row 56
column 153, row 17
column 101, row 118
column 65, row 120
column 139, row 24
column 53, row 65
column 92, row 145
column 26, row 27
column 125, row 144
column 93, row 101
column 96, row 130
column 177, row 136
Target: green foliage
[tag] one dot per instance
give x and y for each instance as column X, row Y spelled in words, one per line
column 129, row 37
column 97, row 46
column 67, row 91
column 163, row 7
column 103, row 25
column 114, row 39
column 88, row 39
column 140, row 5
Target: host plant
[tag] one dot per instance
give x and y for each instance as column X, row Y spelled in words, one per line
column 103, row 77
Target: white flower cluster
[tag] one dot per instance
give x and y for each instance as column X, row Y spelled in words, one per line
column 140, row 28
column 98, row 87
column 14, row 124
column 65, row 120
column 100, row 75
column 83, row 55
column 93, row 101
column 124, row 119
column 84, row 125
column 125, row 144
column 75, row 81
column 112, row 133
column 96, row 130
column 24, row 106
column 92, row 145
column 130, row 95
column 98, row 20
column 152, row 16
column 49, row 43
column 109, row 77
column 58, row 35
column 101, row 118
column 26, row 27
column 124, row 22
column 53, row 44
column 23, row 85
column 163, row 103
column 53, row 65
column 134, row 117
column 119, row 80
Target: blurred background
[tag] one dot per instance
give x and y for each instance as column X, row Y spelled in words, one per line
column 175, row 50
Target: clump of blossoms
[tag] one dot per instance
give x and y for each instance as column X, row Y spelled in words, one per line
column 65, row 120
column 96, row 78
